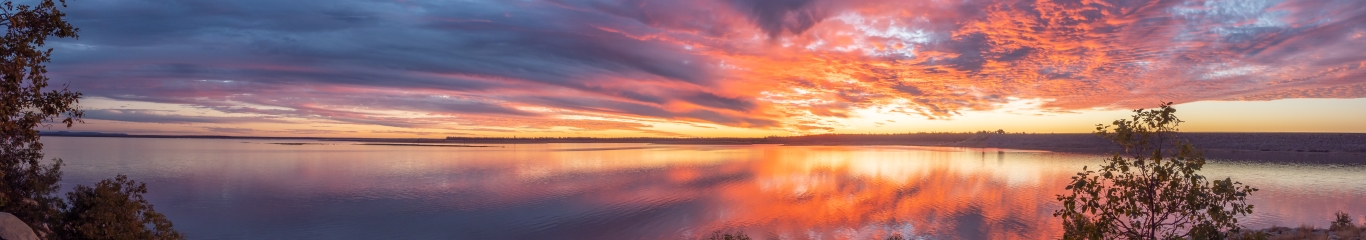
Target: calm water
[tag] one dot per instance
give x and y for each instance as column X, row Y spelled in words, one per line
column 249, row 189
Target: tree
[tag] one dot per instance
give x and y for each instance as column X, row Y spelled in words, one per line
column 1343, row 222
column 114, row 209
column 28, row 186
column 1155, row 192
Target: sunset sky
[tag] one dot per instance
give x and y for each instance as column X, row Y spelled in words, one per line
column 708, row 68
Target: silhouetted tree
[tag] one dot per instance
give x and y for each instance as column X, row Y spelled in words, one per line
column 1156, row 192
column 113, row 209
column 28, row 186
column 1342, row 222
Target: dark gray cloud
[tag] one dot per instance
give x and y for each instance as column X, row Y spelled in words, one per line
column 344, row 60
column 777, row 17
column 155, row 116
column 189, row 51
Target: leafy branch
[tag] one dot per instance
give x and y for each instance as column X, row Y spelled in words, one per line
column 1156, row 191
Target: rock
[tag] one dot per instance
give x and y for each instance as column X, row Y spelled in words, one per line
column 11, row 228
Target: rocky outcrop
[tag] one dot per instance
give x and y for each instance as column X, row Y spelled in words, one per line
column 11, row 228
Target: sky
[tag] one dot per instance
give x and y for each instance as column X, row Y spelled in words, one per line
column 708, row 68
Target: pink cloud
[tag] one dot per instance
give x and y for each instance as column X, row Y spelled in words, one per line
column 786, row 65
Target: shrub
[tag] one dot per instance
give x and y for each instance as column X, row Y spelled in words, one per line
column 113, row 209
column 1343, row 222
column 1153, row 190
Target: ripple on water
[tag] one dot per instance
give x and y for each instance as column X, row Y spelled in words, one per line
column 217, row 190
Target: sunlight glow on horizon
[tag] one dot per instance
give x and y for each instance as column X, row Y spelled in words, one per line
column 1287, row 115
column 709, row 68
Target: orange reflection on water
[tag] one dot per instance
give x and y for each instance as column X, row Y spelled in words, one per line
column 871, row 193
column 231, row 189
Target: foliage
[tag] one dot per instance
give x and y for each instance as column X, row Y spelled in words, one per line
column 113, row 209
column 1343, row 221
column 28, row 186
column 1155, row 192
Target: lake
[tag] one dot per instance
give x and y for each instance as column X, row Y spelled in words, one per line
column 257, row 189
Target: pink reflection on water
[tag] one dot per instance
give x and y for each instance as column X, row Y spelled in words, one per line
column 229, row 189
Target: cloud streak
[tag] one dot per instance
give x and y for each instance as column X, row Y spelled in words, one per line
column 155, row 116
column 789, row 65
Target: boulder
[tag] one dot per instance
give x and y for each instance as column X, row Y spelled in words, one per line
column 11, row 228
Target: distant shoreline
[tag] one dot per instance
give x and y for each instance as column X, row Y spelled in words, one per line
column 1330, row 147
column 122, row 135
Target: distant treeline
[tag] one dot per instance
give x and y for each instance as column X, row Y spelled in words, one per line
column 817, row 139
column 82, row 134
column 605, row 140
column 922, row 137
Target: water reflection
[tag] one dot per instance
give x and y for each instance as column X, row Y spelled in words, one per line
column 868, row 193
column 227, row 189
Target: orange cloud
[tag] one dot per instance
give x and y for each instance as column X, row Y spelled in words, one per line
column 780, row 65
